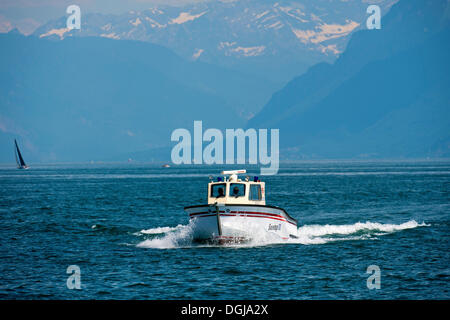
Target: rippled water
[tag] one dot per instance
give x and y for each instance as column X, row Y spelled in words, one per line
column 125, row 228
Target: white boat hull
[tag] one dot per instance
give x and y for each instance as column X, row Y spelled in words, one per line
column 236, row 223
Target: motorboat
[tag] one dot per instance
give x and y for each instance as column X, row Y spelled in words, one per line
column 237, row 212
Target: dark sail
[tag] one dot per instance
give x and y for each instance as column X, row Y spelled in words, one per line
column 19, row 161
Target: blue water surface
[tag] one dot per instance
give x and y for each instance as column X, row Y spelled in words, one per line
column 123, row 225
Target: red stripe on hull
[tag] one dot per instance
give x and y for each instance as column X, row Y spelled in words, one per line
column 244, row 214
column 253, row 216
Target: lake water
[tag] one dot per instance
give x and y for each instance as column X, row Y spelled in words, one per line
column 123, row 225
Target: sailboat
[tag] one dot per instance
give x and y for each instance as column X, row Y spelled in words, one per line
column 19, row 160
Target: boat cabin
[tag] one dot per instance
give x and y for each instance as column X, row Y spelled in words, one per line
column 229, row 189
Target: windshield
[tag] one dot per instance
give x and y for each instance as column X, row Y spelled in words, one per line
column 237, row 189
column 255, row 192
column 218, row 190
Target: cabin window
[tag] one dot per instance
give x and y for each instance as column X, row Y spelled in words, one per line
column 218, row 190
column 237, row 190
column 255, row 192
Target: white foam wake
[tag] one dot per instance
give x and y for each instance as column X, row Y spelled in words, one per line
column 181, row 235
column 160, row 230
column 319, row 234
column 320, row 230
column 173, row 237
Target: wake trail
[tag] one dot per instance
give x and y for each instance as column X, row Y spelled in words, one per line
column 181, row 236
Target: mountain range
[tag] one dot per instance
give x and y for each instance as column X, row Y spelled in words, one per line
column 91, row 98
column 276, row 40
column 81, row 97
column 385, row 96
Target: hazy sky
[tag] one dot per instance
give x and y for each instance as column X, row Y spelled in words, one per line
column 29, row 14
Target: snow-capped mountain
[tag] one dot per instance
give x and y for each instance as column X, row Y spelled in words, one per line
column 275, row 39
